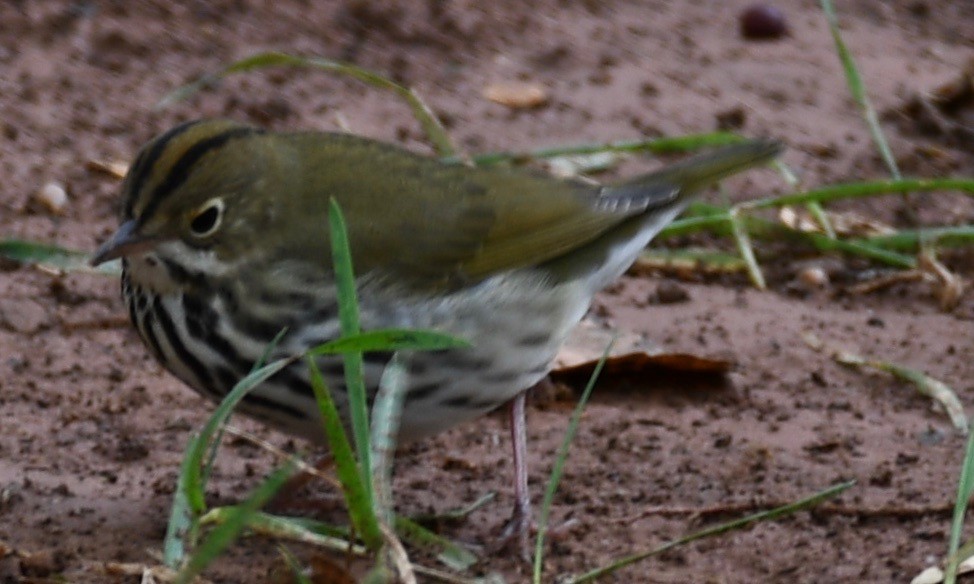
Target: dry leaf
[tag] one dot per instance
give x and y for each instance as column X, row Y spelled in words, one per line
column 631, row 355
column 845, row 223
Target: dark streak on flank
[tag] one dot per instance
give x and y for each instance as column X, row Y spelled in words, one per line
column 180, row 171
column 419, row 392
column 246, row 323
column 139, row 172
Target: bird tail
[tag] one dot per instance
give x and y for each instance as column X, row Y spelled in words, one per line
column 651, row 202
column 688, row 177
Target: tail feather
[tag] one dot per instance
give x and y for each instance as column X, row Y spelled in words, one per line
column 683, row 179
column 652, row 201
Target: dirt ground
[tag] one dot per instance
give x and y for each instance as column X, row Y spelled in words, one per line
column 92, row 429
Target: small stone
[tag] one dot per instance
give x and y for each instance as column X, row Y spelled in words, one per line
column 763, row 22
column 22, row 315
column 52, row 197
column 813, row 277
column 671, row 293
column 731, row 119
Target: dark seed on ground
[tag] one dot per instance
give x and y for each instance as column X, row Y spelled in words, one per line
column 763, row 21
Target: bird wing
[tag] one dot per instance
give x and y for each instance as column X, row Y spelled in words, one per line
column 442, row 226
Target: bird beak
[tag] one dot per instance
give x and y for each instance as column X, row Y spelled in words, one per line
column 127, row 241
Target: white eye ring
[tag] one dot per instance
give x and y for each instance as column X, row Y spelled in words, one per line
column 207, row 218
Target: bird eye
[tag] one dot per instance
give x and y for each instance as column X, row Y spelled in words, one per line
column 207, row 218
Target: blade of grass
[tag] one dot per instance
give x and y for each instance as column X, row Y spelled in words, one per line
column 349, row 316
column 452, row 555
column 558, row 467
column 747, row 252
column 925, row 384
column 716, row 219
column 357, row 497
column 224, row 534
column 858, row 90
column 54, row 257
column 863, row 189
column 214, row 443
column 389, row 340
column 297, row 529
column 386, row 416
column 965, row 488
column 427, row 120
column 769, row 515
column 911, row 240
column 457, row 514
column 702, row 260
column 189, row 501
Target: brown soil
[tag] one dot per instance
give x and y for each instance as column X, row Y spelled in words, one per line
column 93, row 429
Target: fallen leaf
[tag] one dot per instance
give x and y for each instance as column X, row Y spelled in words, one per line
column 632, row 355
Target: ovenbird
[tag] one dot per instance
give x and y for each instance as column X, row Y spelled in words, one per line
column 224, row 244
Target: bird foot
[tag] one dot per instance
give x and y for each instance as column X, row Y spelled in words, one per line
column 521, row 528
column 517, row 530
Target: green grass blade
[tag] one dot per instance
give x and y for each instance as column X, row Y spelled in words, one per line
column 386, row 415
column 858, row 90
column 189, row 501
column 559, row 465
column 389, row 340
column 297, row 529
column 769, row 515
column 451, row 554
column 349, row 316
column 716, row 219
column 182, row 517
column 863, row 189
column 224, row 534
column 54, row 257
column 911, row 240
column 965, row 488
column 924, row 384
column 704, row 260
column 214, row 443
column 743, row 242
column 427, row 120
column 357, row 497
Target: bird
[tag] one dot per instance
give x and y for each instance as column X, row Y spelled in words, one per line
column 224, row 244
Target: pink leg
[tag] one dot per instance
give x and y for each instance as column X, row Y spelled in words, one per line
column 520, row 523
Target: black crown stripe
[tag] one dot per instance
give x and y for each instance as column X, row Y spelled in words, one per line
column 146, row 161
column 181, row 170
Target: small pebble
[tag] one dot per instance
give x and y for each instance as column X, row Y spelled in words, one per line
column 814, row 277
column 670, row 293
column 22, row 315
column 763, row 21
column 52, row 197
